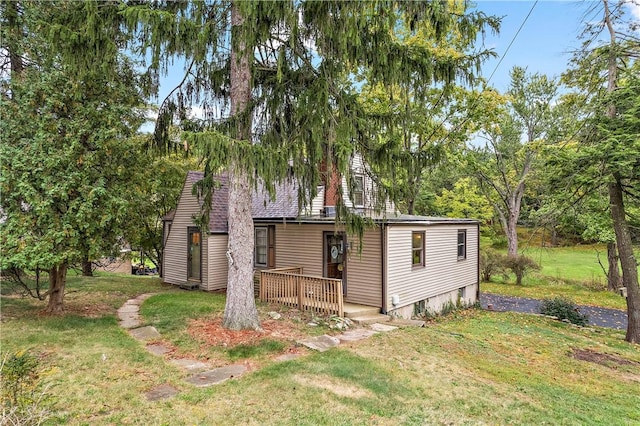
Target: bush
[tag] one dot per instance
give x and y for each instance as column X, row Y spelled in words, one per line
column 24, row 394
column 563, row 309
column 491, row 263
column 520, row 265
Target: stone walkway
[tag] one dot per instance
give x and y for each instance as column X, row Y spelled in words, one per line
column 202, row 374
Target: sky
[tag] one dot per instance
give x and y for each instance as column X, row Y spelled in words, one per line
column 550, row 32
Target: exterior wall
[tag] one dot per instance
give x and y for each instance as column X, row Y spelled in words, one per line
column 217, row 263
column 302, row 245
column 358, row 167
column 317, row 204
column 175, row 251
column 437, row 304
column 443, row 274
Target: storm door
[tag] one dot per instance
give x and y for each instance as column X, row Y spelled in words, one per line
column 194, row 255
column 335, row 258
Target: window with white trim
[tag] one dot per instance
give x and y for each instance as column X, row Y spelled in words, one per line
column 462, row 244
column 417, row 249
column 358, row 191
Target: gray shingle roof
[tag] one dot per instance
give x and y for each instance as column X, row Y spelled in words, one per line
column 284, row 205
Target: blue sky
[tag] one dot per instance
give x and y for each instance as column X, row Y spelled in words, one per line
column 546, row 40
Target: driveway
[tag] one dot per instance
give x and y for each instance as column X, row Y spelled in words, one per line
column 601, row 317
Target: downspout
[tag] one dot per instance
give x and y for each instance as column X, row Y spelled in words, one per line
column 383, row 242
column 478, row 261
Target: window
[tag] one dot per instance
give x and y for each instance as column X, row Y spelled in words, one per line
column 462, row 244
column 417, row 255
column 358, row 191
column 265, row 246
column 261, row 246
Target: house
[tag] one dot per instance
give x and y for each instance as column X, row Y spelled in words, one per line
column 408, row 264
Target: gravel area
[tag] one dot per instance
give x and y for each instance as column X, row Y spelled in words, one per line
column 601, row 317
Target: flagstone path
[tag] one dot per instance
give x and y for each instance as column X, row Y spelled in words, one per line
column 202, row 374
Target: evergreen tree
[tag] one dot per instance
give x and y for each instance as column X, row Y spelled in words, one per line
column 606, row 75
column 276, row 83
column 64, row 149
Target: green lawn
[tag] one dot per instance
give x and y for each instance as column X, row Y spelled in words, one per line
column 571, row 272
column 471, row 367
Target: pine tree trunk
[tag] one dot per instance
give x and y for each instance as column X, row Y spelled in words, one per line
column 614, row 281
column 240, row 310
column 57, row 281
column 627, row 261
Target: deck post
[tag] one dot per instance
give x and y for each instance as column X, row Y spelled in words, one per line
column 300, row 285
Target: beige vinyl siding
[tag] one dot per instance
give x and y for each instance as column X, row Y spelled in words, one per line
column 364, row 272
column 303, row 245
column 218, row 266
column 442, row 273
column 300, row 245
column 175, row 252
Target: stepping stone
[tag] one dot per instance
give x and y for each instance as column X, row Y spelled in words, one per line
column 163, row 391
column 158, row 349
column 130, row 323
column 320, row 343
column 144, row 296
column 214, row 377
column 145, row 333
column 128, row 309
column 356, row 334
column 190, row 364
column 382, row 327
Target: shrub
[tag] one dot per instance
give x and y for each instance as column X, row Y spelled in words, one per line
column 563, row 309
column 520, row 265
column 491, row 263
column 24, row 394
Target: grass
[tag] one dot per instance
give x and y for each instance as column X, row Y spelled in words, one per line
column 471, row 367
column 571, row 272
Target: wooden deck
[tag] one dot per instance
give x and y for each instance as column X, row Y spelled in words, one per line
column 288, row 286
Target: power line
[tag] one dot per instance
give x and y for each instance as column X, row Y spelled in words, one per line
column 512, row 41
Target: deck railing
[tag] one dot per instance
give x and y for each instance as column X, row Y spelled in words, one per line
column 288, row 286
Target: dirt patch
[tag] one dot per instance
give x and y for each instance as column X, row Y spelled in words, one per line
column 607, row 360
column 211, row 332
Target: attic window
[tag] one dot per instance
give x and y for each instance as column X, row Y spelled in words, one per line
column 358, row 191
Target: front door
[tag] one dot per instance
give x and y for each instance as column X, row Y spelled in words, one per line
column 335, row 259
column 194, row 255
